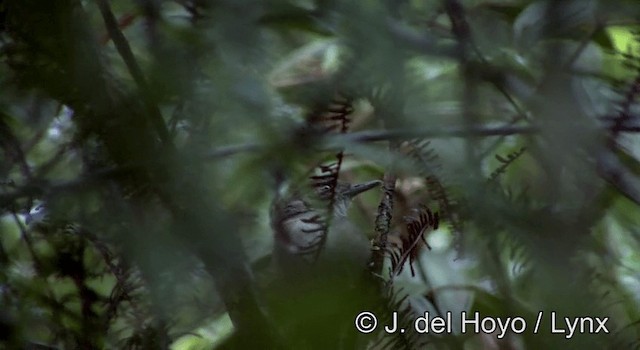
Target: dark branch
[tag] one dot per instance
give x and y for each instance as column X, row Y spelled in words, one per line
column 230, row 150
column 124, row 50
column 398, row 134
column 423, row 43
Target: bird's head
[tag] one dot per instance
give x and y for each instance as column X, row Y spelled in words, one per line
column 344, row 193
column 37, row 215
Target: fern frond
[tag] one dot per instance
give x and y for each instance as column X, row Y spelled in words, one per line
column 331, row 119
column 428, row 163
column 398, row 301
column 505, row 163
column 411, row 244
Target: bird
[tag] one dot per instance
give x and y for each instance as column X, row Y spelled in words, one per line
column 302, row 226
column 40, row 219
column 38, row 215
column 318, row 263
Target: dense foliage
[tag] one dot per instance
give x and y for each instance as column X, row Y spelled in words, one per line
column 156, row 134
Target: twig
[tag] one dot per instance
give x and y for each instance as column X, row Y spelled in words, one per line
column 383, row 225
column 125, row 21
column 230, row 150
column 124, row 50
column 462, row 33
column 397, row 134
column 611, row 169
column 14, row 152
column 583, row 45
column 420, row 43
column 38, row 187
column 385, row 135
column 400, row 134
column 29, row 243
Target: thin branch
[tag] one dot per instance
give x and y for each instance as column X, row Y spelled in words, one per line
column 383, row 224
column 423, row 43
column 28, row 242
column 383, row 135
column 583, row 45
column 396, row 134
column 38, row 187
column 12, row 147
column 611, row 169
column 400, row 134
column 230, row 150
column 125, row 21
column 124, row 50
column 460, row 29
column 497, row 142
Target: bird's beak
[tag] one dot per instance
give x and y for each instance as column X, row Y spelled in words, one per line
column 356, row 189
column 28, row 219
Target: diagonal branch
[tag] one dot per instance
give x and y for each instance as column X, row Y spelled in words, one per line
column 124, row 50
